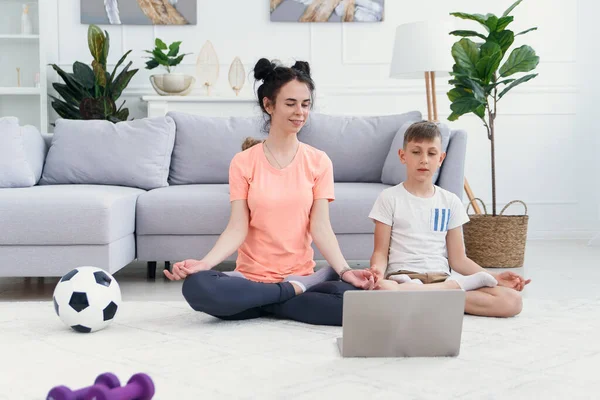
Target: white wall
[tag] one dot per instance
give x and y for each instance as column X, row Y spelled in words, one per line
column 588, row 133
column 537, row 143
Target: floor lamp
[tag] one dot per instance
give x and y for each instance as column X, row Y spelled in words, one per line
column 424, row 49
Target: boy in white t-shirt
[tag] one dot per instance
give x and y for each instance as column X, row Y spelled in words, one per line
column 418, row 235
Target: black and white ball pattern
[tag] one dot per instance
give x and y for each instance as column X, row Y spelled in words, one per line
column 87, row 299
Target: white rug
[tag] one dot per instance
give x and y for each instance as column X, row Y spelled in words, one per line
column 550, row 351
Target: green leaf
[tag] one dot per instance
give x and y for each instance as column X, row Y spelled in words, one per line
column 122, row 81
column 480, row 111
column 466, row 54
column 67, row 94
column 453, row 117
column 527, row 30
column 99, row 72
column 121, row 60
column 477, row 89
column 173, row 62
column 71, row 82
column 465, row 105
column 160, row 57
column 458, row 71
column 96, row 42
column 468, row 34
column 509, row 9
column 474, row 17
column 489, row 62
column 65, row 110
column 504, row 39
column 123, row 114
column 503, row 22
column 160, row 44
column 489, row 48
column 151, row 64
column 491, row 23
column 521, row 59
column 84, row 74
column 470, row 84
column 105, row 49
column 515, row 83
column 173, row 49
column 488, row 88
column 459, row 92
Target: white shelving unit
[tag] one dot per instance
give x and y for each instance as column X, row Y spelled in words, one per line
column 19, row 96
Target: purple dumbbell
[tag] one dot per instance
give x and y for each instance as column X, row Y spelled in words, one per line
column 106, row 380
column 139, row 387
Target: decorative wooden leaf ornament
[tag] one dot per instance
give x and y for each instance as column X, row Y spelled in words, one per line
column 237, row 75
column 207, row 66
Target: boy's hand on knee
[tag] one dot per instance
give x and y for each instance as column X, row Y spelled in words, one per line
column 511, row 280
column 377, row 274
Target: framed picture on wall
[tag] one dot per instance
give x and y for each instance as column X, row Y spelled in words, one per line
column 327, row 10
column 138, row 12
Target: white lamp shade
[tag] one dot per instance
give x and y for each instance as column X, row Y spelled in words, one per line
column 423, row 46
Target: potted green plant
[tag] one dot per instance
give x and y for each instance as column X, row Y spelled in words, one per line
column 91, row 92
column 483, row 73
column 168, row 57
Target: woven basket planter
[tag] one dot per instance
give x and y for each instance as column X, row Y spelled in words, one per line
column 496, row 241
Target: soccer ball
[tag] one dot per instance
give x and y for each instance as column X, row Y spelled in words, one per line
column 87, row 299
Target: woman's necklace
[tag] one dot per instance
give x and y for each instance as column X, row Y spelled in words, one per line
column 274, row 158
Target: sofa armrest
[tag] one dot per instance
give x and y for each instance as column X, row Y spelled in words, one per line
column 452, row 172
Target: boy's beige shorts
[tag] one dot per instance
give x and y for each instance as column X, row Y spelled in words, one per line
column 425, row 278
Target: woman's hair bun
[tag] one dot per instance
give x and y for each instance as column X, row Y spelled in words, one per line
column 302, row 66
column 263, row 68
column 249, row 142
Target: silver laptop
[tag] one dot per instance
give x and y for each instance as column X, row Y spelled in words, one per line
column 402, row 323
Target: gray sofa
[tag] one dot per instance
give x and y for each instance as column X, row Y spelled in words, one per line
column 156, row 189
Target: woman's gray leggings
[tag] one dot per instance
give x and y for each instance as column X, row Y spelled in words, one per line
column 234, row 298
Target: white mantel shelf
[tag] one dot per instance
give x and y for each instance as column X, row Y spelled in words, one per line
column 202, row 105
column 192, row 99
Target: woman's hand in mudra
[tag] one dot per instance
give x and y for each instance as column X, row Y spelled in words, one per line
column 360, row 278
column 182, row 269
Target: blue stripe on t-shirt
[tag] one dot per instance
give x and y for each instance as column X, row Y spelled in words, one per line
column 443, row 219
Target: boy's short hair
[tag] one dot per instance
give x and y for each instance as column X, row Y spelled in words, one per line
column 422, row 131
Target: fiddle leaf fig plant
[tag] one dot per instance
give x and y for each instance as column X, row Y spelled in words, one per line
column 484, row 71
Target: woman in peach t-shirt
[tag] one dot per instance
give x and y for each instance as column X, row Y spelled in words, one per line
column 280, row 191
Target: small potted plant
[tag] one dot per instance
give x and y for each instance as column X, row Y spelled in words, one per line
column 169, row 84
column 91, row 92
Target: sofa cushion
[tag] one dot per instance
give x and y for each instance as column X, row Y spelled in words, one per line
column 130, row 153
column 22, row 152
column 349, row 213
column 204, row 146
column 66, row 214
column 184, row 210
column 394, row 171
column 205, row 209
column 357, row 146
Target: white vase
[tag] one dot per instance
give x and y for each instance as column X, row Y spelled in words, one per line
column 26, row 24
column 172, row 84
